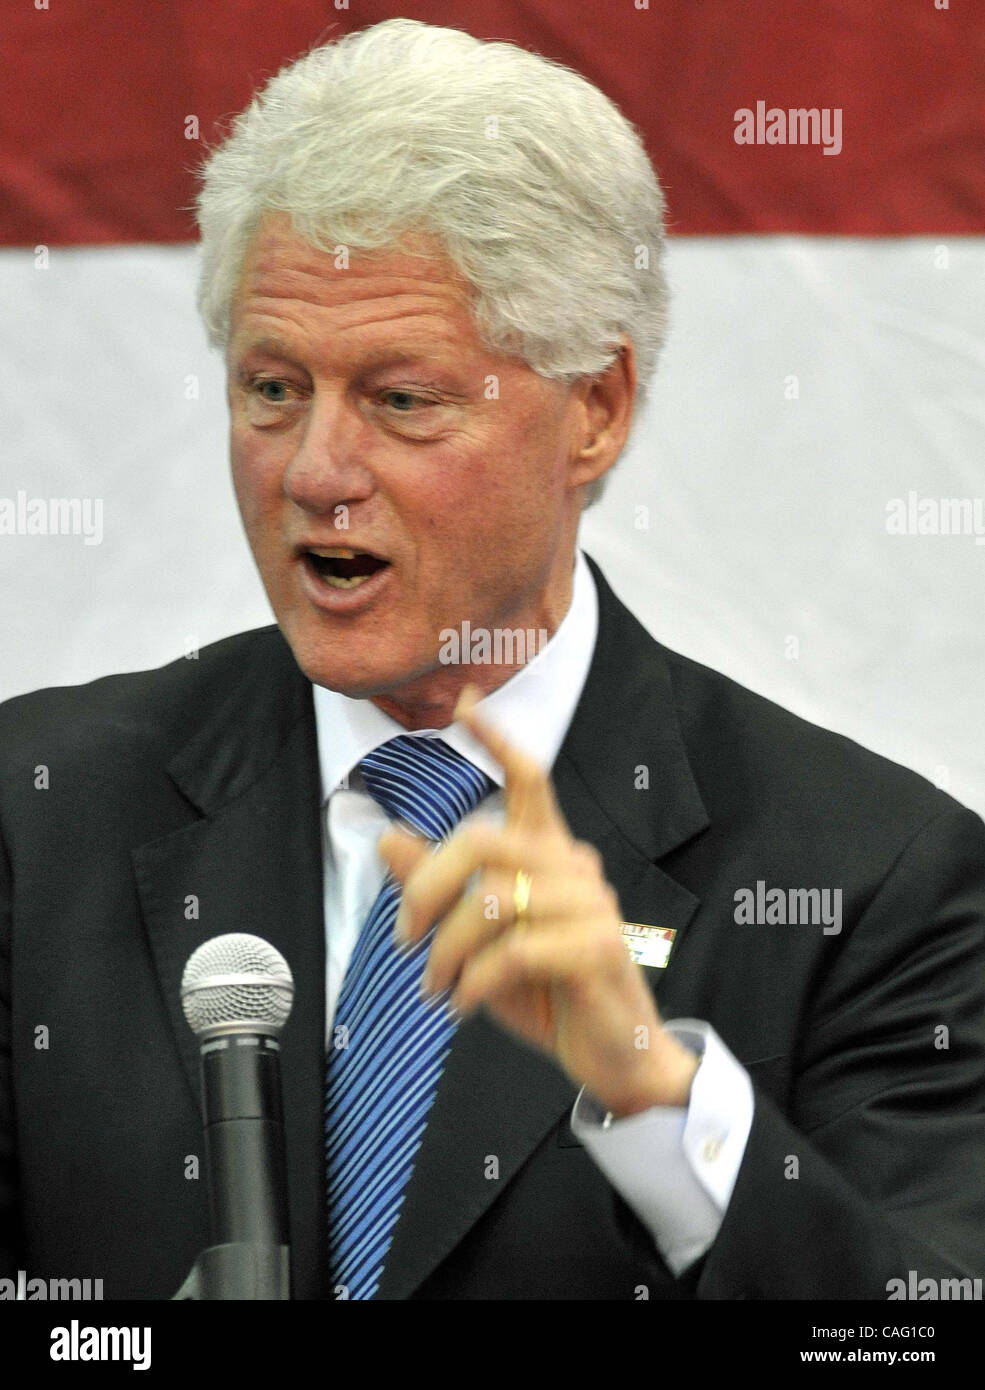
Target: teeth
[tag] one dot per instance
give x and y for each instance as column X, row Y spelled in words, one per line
column 332, row 554
column 338, row 582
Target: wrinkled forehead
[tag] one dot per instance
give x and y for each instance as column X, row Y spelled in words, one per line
column 280, row 265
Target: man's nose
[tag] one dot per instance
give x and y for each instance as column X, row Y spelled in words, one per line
column 329, row 465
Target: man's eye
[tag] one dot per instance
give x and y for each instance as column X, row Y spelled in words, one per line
column 261, row 387
column 404, row 401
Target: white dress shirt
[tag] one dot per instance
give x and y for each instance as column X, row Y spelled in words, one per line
column 674, row 1166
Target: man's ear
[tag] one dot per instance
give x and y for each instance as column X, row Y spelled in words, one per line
column 607, row 400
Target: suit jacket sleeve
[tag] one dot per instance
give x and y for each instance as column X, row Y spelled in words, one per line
column 872, row 1164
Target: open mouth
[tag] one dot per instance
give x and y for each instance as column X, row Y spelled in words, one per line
column 344, row 569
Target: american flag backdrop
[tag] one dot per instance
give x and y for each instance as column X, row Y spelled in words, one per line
column 804, row 505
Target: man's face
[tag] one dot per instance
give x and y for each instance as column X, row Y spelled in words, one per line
column 367, row 417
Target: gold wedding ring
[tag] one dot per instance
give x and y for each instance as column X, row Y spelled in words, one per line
column 521, row 898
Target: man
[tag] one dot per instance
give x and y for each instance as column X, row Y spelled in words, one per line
column 422, row 257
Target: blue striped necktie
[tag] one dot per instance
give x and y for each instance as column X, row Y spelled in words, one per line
column 380, row 1085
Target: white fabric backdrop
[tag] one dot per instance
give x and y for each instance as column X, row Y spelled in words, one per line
column 744, row 528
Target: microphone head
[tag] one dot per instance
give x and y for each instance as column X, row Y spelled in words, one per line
column 236, row 983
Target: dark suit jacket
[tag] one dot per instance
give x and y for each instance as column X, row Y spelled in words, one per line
column 202, row 779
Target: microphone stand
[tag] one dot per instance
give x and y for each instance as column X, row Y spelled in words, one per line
column 239, row 1270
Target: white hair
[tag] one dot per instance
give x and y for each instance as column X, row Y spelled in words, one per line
column 535, row 184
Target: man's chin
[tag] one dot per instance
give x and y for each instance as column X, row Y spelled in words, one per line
column 362, row 679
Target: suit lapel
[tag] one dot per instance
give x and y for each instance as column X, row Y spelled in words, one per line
column 625, row 785
column 253, row 863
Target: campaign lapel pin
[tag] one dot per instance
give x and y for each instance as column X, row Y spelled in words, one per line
column 648, row 946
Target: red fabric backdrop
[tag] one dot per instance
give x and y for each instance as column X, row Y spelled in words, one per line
column 92, row 143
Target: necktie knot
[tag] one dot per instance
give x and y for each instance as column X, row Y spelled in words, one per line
column 424, row 782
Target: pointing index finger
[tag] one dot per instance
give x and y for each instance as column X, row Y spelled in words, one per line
column 530, row 800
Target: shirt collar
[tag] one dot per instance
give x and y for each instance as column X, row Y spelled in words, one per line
column 534, row 707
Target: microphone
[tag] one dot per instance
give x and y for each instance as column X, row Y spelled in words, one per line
column 236, row 992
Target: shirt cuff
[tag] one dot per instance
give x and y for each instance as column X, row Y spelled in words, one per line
column 676, row 1166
